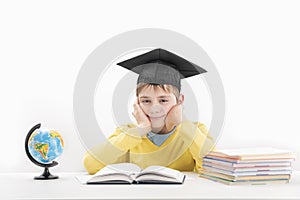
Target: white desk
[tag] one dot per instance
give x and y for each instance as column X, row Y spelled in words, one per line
column 22, row 186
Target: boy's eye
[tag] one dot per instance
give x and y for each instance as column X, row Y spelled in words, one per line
column 161, row 100
column 164, row 100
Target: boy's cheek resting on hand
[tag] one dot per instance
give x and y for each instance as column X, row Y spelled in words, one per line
column 173, row 118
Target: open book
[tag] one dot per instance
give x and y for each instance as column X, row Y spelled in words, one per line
column 131, row 174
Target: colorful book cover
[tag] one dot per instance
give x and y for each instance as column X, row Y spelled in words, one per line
column 252, row 153
column 244, row 182
column 247, row 169
column 255, row 163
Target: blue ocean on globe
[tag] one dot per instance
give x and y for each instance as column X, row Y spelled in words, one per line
column 45, row 145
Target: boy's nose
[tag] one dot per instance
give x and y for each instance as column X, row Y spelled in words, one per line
column 156, row 109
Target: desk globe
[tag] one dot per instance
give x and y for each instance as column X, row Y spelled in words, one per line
column 42, row 147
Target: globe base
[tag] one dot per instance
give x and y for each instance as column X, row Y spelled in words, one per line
column 46, row 175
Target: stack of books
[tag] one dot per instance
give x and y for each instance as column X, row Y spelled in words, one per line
column 248, row 166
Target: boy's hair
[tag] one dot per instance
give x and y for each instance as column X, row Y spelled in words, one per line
column 166, row 88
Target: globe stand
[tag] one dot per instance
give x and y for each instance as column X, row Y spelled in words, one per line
column 46, row 175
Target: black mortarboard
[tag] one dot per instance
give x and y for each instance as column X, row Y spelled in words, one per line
column 160, row 66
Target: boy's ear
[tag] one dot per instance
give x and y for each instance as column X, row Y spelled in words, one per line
column 181, row 99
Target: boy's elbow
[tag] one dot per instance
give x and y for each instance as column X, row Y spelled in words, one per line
column 91, row 164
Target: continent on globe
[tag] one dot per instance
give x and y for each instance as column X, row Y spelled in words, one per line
column 42, row 149
column 55, row 134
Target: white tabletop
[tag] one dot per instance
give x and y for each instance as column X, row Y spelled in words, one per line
column 22, row 186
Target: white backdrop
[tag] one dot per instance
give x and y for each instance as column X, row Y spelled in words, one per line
column 254, row 45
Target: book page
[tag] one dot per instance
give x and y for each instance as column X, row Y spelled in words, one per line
column 162, row 171
column 120, row 168
column 112, row 178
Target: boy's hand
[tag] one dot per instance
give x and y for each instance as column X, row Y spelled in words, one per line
column 174, row 117
column 144, row 124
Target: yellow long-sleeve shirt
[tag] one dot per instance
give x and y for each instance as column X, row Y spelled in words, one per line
column 183, row 150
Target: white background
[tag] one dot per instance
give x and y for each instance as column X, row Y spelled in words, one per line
column 255, row 46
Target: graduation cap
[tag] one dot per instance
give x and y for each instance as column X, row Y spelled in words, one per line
column 161, row 67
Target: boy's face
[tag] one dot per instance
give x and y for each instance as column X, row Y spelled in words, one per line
column 156, row 103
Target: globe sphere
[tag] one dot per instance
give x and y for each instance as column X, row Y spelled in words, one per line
column 45, row 145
